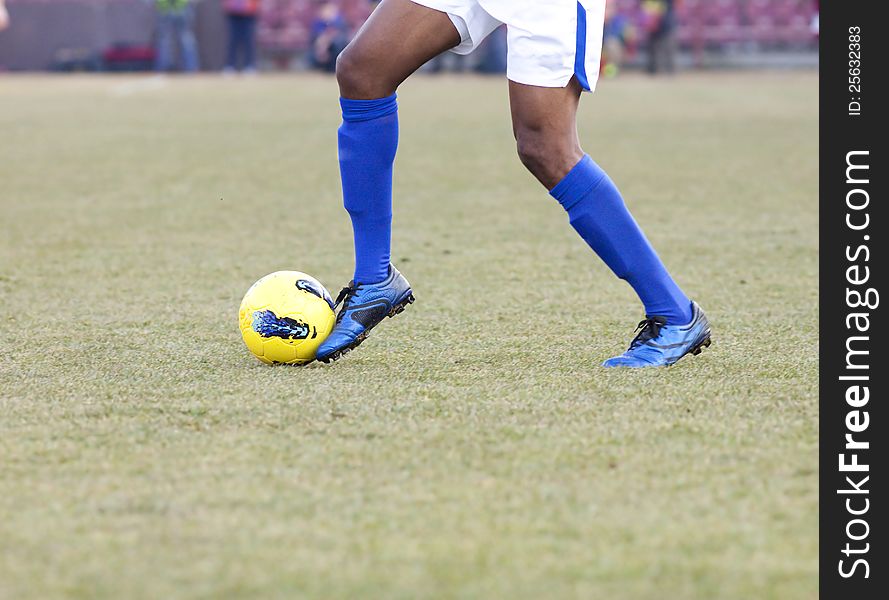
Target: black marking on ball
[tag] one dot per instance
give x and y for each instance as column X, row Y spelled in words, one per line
column 268, row 324
column 314, row 289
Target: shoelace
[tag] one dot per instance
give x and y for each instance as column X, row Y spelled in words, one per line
column 344, row 297
column 648, row 329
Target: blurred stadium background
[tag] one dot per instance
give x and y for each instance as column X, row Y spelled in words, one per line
column 123, row 35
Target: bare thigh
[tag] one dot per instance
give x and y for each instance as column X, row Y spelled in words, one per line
column 398, row 38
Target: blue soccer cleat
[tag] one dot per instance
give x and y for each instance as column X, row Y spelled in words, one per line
column 660, row 345
column 364, row 305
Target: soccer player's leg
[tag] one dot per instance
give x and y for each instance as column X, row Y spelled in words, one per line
column 399, row 38
column 544, row 122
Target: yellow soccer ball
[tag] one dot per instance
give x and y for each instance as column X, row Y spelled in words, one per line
column 285, row 316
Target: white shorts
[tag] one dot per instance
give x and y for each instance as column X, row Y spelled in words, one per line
column 549, row 41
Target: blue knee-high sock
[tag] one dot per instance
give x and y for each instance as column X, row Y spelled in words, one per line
column 368, row 140
column 598, row 213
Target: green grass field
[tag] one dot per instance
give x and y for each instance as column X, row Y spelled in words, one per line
column 472, row 447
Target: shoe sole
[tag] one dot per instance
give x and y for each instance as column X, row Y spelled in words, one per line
column 700, row 347
column 696, row 349
column 704, row 342
column 396, row 310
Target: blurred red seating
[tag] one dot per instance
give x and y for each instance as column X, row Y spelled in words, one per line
column 717, row 23
column 285, row 25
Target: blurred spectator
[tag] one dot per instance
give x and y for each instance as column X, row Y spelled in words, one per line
column 4, row 15
column 618, row 39
column 175, row 21
column 330, row 36
column 242, row 15
column 493, row 53
column 659, row 17
column 449, row 62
